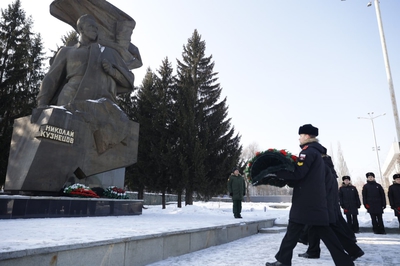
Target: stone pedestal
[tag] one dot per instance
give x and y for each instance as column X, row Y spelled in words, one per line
column 13, row 207
column 104, row 180
column 55, row 145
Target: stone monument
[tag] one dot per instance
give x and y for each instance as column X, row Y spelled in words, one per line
column 78, row 130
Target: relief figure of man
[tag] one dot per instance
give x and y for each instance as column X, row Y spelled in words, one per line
column 85, row 71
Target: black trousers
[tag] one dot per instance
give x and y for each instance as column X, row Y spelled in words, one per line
column 237, row 207
column 313, row 243
column 294, row 230
column 343, row 233
column 377, row 223
column 352, row 221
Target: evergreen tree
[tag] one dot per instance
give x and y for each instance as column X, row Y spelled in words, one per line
column 154, row 115
column 21, row 72
column 189, row 153
column 140, row 173
column 207, row 147
column 162, row 133
column 155, row 140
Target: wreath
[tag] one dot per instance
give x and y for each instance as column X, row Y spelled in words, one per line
column 261, row 168
column 115, row 193
column 79, row 190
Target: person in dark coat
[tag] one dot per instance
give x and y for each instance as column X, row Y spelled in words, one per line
column 236, row 188
column 309, row 201
column 336, row 221
column 374, row 201
column 350, row 203
column 394, row 196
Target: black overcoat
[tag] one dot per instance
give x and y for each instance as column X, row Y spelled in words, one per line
column 394, row 197
column 309, row 200
column 236, row 186
column 349, row 199
column 331, row 195
column 331, row 189
column 374, row 196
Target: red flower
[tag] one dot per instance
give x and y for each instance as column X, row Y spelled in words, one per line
column 270, row 149
column 250, row 164
column 294, row 157
column 258, row 153
column 118, row 190
column 84, row 193
column 284, row 152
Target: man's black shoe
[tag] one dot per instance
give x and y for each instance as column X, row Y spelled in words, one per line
column 356, row 256
column 276, row 263
column 308, row 256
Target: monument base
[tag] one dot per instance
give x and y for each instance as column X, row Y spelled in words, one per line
column 13, row 207
column 55, row 146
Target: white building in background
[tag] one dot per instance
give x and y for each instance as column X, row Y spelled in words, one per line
column 391, row 165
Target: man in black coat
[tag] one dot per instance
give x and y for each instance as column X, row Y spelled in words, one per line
column 350, row 203
column 339, row 226
column 309, row 201
column 374, row 201
column 394, row 196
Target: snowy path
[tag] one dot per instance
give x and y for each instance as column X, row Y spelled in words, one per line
column 255, row 250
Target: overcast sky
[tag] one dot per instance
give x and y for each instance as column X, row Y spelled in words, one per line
column 281, row 64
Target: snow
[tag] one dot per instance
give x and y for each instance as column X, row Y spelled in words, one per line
column 22, row 234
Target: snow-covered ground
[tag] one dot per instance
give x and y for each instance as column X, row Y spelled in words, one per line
column 21, row 234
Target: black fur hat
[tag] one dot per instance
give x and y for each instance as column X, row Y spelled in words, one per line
column 369, row 174
column 345, row 177
column 308, row 129
column 396, row 176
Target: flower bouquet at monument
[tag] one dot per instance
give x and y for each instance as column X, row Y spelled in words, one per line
column 115, row 193
column 79, row 190
column 262, row 167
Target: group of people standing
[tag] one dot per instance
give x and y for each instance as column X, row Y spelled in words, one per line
column 316, row 203
column 374, row 201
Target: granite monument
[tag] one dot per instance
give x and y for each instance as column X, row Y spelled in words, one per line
column 77, row 129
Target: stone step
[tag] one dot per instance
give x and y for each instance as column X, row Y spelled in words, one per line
column 138, row 250
column 273, row 229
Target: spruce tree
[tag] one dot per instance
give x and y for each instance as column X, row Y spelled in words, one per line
column 21, row 72
column 141, row 172
column 208, row 146
column 162, row 134
column 154, row 114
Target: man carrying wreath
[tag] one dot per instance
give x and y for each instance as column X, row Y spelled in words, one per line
column 309, row 201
